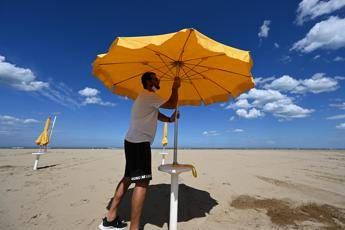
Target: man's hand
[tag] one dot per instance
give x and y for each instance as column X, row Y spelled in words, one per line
column 172, row 118
column 177, row 83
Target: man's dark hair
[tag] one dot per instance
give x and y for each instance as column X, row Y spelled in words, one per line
column 146, row 77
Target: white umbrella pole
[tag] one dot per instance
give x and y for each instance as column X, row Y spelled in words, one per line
column 174, row 183
column 36, row 162
column 175, row 136
column 51, row 130
column 173, row 202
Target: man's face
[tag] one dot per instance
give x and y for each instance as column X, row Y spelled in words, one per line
column 155, row 82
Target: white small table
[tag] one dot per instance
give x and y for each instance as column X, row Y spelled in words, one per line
column 174, row 170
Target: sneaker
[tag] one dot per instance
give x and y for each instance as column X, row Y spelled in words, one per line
column 116, row 224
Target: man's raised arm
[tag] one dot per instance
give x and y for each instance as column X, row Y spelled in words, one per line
column 171, row 103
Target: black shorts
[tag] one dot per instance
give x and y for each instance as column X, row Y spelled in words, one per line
column 138, row 161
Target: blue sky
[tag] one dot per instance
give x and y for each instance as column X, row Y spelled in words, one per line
column 47, row 47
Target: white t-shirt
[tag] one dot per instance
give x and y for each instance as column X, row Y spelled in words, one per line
column 144, row 117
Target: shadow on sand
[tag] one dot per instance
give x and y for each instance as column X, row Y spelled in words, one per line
column 48, row 166
column 193, row 203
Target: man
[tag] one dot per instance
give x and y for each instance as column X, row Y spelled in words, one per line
column 140, row 136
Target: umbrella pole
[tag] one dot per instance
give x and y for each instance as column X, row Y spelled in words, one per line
column 175, row 136
column 36, row 162
column 173, row 202
column 51, row 130
column 174, row 182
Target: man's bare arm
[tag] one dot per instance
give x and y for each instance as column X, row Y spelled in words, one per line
column 171, row 103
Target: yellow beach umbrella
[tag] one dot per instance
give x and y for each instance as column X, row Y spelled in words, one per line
column 210, row 72
column 43, row 139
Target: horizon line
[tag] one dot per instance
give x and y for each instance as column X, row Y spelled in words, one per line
column 116, row 147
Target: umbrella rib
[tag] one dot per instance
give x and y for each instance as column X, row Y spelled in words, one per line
column 130, row 62
column 196, row 73
column 136, row 75
column 206, row 57
column 184, row 45
column 194, row 86
column 157, row 52
column 212, row 81
column 169, row 69
column 223, row 70
column 158, row 69
column 185, row 73
column 133, row 76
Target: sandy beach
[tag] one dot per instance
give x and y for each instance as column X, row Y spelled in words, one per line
column 235, row 189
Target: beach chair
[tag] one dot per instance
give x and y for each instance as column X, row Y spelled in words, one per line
column 43, row 141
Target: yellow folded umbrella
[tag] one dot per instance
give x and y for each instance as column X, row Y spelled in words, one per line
column 43, row 139
column 165, row 135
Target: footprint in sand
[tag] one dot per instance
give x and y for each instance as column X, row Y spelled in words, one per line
column 80, row 202
column 33, row 218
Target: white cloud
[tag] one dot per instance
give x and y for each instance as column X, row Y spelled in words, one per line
column 328, row 34
column 276, row 45
column 9, row 120
column 311, row 9
column 261, row 80
column 230, row 106
column 29, row 121
column 92, row 97
column 88, row 92
column 339, row 59
column 261, row 97
column 61, row 94
column 339, row 78
column 238, row 130
column 263, row 33
column 286, row 59
column 316, row 57
column 271, row 101
column 283, row 83
column 338, row 105
column 253, row 113
column 211, row 133
column 341, row 126
column 24, row 79
column 243, row 103
column 287, row 110
column 18, row 77
column 336, row 117
column 232, row 118
column 318, row 83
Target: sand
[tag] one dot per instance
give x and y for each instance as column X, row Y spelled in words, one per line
column 235, row 189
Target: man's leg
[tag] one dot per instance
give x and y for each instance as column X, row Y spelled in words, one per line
column 138, row 199
column 120, row 191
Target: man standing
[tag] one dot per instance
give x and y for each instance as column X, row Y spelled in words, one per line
column 140, row 136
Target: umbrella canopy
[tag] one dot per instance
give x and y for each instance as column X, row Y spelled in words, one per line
column 43, row 139
column 209, row 71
